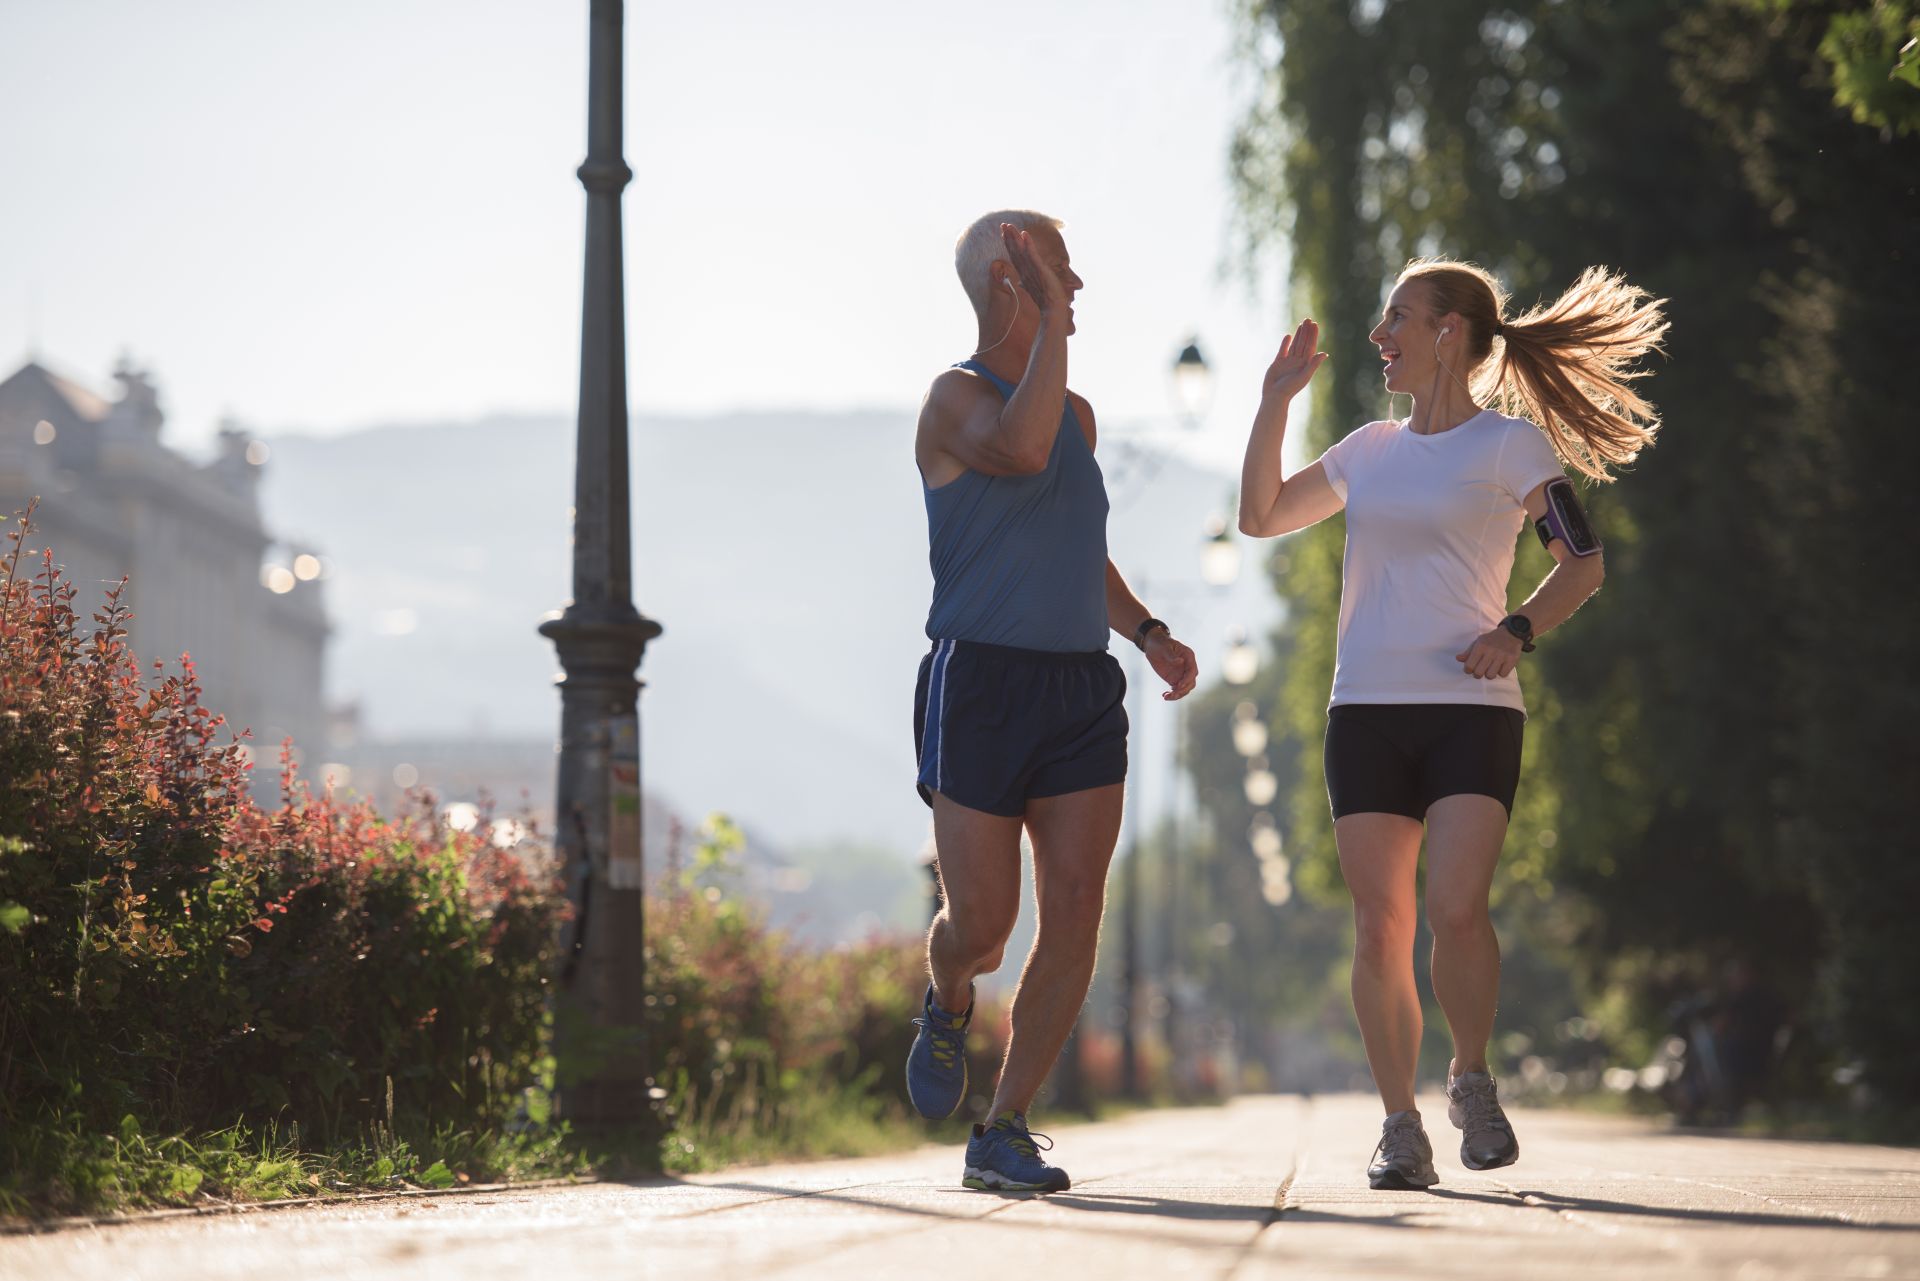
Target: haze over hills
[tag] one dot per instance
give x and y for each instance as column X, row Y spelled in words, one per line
column 784, row 553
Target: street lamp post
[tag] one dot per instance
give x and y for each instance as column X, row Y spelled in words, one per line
column 1192, row 392
column 600, row 638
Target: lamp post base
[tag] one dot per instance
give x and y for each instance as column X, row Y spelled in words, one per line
column 599, row 1026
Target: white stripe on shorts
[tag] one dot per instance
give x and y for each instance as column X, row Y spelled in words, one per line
column 937, row 706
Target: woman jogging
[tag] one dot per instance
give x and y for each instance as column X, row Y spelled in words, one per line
column 1425, row 721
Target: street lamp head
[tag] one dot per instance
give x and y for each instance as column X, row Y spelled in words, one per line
column 1241, row 663
column 1219, row 555
column 1264, row 838
column 1192, row 385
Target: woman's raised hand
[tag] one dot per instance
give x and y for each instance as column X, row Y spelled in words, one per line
column 1293, row 368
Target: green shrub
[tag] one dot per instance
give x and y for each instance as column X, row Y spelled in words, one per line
column 200, row 995
column 761, row 1046
column 172, row 952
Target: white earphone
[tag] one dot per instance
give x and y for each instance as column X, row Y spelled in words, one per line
column 1008, row 282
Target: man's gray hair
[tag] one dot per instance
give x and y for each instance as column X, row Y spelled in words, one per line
column 981, row 245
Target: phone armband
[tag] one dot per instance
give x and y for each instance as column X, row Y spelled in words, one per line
column 1566, row 521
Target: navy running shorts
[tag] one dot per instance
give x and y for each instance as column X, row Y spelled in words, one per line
column 996, row 727
column 1399, row 758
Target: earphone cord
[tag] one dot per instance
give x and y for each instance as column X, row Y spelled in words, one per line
column 1456, row 378
column 1010, row 324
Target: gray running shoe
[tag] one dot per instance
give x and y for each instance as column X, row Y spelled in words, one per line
column 1403, row 1161
column 1486, row 1138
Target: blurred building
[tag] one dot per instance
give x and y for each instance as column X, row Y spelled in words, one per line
column 206, row 577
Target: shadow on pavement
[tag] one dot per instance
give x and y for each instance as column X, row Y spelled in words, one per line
column 1733, row 1218
column 1162, row 1206
column 981, row 1205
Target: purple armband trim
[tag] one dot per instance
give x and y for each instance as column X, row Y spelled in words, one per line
column 1565, row 521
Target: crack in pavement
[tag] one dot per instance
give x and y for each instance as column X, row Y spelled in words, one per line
column 1837, row 1216
column 1283, row 1198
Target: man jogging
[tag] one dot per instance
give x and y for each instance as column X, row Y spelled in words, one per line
column 1019, row 717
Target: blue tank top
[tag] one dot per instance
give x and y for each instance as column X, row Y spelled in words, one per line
column 1022, row 560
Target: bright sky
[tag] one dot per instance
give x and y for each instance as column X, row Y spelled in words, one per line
column 323, row 216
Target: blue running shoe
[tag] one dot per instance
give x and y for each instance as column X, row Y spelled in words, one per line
column 937, row 1064
column 1005, row 1157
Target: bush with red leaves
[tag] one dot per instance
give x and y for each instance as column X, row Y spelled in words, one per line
column 170, row 949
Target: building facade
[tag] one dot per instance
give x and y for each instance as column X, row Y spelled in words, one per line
column 205, row 577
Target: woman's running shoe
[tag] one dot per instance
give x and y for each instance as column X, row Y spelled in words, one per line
column 1486, row 1138
column 1403, row 1159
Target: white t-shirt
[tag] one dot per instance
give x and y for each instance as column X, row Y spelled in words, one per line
column 1431, row 526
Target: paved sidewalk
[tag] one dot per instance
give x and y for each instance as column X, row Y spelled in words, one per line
column 1266, row 1187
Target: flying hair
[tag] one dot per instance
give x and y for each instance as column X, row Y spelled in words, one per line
column 1568, row 365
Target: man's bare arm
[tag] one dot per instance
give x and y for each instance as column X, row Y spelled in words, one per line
column 965, row 421
column 1170, row 659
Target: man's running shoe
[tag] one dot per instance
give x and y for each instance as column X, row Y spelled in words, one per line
column 1403, row 1160
column 937, row 1064
column 1486, row 1139
column 1005, row 1157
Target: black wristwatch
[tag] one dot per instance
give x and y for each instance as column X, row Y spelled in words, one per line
column 1147, row 625
column 1522, row 626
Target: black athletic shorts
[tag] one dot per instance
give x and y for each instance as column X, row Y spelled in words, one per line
column 1399, row 758
column 996, row 726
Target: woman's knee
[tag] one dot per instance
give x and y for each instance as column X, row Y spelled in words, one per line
column 1452, row 917
column 1382, row 934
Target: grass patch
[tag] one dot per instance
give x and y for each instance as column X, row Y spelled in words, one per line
column 844, row 1121
column 61, row 1169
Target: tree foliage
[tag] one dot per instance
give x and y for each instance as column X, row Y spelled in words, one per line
column 1717, row 745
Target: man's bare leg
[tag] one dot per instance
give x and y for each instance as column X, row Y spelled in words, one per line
column 1073, row 840
column 978, row 858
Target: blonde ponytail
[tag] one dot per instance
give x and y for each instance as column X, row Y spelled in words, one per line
column 1567, row 365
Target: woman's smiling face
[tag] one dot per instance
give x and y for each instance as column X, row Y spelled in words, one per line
column 1405, row 336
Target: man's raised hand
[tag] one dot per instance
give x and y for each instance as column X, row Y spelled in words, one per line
column 1035, row 276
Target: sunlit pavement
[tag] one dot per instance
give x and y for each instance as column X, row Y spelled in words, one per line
column 1266, row 1187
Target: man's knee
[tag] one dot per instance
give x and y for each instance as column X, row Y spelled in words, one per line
column 1073, row 903
column 978, row 938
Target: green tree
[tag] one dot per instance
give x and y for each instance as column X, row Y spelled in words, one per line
column 1714, row 744
column 1873, row 52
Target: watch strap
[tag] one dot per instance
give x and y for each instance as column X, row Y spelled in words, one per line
column 1147, row 625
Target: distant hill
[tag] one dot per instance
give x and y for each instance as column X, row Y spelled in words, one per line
column 784, row 553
